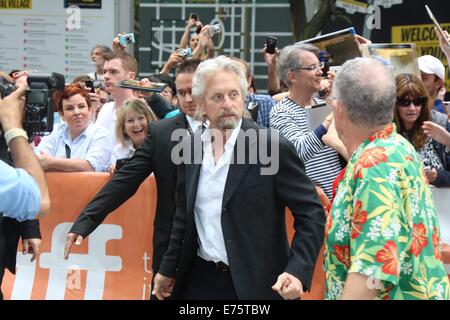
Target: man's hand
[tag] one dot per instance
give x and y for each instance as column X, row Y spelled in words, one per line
column 31, row 246
column 191, row 23
column 444, row 42
column 204, row 36
column 331, row 139
column 270, row 58
column 360, row 41
column 173, row 60
column 326, row 84
column 12, row 109
column 45, row 160
column 436, row 132
column 116, row 43
column 163, row 286
column 288, row 286
column 328, row 120
column 431, row 174
column 71, row 238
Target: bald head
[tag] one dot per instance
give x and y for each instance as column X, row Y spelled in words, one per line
column 367, row 90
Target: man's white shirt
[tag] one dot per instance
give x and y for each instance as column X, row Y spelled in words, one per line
column 208, row 203
column 107, row 119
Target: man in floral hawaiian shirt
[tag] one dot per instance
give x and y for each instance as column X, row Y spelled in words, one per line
column 382, row 235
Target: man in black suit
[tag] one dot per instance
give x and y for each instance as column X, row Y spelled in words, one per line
column 229, row 236
column 154, row 156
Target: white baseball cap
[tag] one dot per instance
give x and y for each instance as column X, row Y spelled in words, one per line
column 431, row 65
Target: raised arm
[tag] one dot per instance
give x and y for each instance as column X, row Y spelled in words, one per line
column 11, row 117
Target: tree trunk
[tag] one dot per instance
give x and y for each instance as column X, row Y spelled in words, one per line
column 301, row 28
column 298, row 17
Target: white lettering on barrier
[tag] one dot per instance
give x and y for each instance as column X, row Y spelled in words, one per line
column 442, row 201
column 25, row 273
column 95, row 262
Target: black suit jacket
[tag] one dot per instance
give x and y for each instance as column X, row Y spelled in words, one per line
column 154, row 156
column 253, row 220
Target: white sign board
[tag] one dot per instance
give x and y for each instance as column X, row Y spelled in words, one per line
column 442, row 201
column 50, row 38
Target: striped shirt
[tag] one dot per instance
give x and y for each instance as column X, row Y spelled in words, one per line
column 321, row 162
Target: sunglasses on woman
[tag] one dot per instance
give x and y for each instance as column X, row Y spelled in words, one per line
column 418, row 102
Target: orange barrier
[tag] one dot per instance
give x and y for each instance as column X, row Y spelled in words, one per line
column 318, row 282
column 114, row 262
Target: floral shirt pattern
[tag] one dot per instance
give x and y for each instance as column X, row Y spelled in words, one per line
column 383, row 224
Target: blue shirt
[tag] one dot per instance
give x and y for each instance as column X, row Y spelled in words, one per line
column 172, row 114
column 439, row 106
column 20, row 197
column 265, row 104
column 93, row 145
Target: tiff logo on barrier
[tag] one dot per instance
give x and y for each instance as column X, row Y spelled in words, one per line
column 66, row 274
column 73, row 19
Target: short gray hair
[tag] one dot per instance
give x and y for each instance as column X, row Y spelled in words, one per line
column 212, row 66
column 289, row 59
column 367, row 90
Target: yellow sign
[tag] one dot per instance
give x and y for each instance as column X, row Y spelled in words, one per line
column 16, row 4
column 426, row 40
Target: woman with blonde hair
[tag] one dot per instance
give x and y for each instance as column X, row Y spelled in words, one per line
column 131, row 129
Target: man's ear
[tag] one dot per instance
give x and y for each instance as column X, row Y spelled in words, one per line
column 440, row 83
column 132, row 75
column 339, row 108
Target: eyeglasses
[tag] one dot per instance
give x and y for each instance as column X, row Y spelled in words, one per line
column 418, row 102
column 314, row 67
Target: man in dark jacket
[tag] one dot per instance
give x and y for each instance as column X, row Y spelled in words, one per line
column 229, row 236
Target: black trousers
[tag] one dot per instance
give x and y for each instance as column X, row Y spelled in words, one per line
column 2, row 273
column 208, row 282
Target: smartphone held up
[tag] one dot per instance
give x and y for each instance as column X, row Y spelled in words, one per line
column 271, row 44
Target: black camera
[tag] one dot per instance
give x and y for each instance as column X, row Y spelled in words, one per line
column 271, row 44
column 94, row 84
column 324, row 59
column 193, row 16
column 39, row 101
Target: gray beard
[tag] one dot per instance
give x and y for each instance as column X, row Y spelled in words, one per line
column 227, row 124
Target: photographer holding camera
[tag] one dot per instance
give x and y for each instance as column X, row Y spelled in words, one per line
column 23, row 190
column 200, row 46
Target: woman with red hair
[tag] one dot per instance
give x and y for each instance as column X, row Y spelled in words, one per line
column 77, row 144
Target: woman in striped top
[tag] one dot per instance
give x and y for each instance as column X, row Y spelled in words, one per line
column 300, row 70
